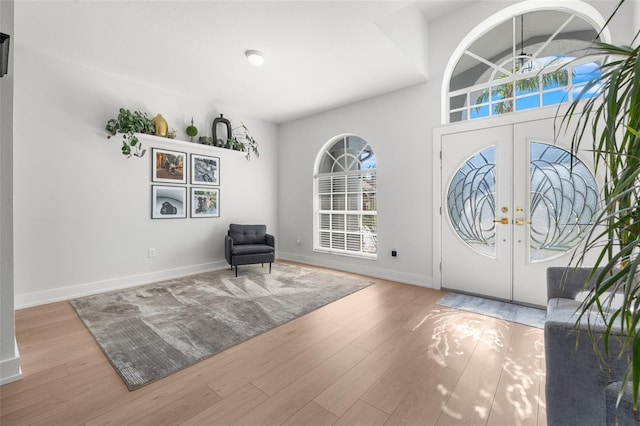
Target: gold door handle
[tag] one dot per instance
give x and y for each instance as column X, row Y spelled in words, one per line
column 522, row 222
column 504, row 221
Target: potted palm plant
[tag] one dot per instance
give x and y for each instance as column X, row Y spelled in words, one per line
column 612, row 119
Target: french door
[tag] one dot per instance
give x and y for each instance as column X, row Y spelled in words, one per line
column 514, row 202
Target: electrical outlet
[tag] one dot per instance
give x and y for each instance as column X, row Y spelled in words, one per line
column 394, row 252
column 152, row 252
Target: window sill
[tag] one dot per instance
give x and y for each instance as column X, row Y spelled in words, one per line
column 347, row 254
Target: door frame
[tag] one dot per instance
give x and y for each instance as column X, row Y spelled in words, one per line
column 552, row 112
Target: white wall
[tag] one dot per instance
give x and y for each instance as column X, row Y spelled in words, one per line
column 399, row 126
column 9, row 357
column 635, row 15
column 395, row 127
column 82, row 210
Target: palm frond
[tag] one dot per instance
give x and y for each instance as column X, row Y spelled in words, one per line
column 609, row 123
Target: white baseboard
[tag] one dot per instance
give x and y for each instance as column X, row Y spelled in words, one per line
column 368, row 270
column 26, row 300
column 10, row 368
column 65, row 293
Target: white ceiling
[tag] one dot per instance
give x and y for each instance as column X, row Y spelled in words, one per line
column 318, row 54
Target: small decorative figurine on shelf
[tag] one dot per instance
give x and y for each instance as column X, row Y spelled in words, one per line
column 161, row 125
column 214, row 131
column 192, row 131
column 206, row 140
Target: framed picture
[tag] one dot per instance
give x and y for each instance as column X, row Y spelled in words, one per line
column 205, row 170
column 168, row 202
column 205, row 202
column 169, row 166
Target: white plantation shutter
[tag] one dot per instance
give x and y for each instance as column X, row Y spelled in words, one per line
column 346, row 199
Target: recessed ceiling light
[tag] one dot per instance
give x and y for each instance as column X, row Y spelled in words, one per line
column 255, row 57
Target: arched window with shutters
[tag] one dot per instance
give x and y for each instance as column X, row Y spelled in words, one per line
column 345, row 198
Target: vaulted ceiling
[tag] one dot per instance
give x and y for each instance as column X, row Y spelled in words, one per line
column 318, row 54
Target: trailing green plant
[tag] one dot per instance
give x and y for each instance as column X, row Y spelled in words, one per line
column 241, row 140
column 235, row 144
column 610, row 124
column 128, row 124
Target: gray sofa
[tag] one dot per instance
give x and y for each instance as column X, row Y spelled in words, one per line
column 576, row 377
column 621, row 414
column 248, row 244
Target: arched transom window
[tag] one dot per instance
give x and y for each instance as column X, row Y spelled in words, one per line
column 345, row 205
column 528, row 61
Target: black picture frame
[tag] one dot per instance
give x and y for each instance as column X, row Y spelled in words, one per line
column 205, row 202
column 168, row 166
column 205, row 170
column 168, row 202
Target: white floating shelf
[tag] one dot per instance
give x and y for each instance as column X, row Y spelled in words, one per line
column 180, row 143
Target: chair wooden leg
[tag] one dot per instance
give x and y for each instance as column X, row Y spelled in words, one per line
column 269, row 267
column 236, row 270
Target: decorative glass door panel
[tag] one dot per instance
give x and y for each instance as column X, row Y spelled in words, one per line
column 514, row 202
column 563, row 204
column 471, row 202
column 476, row 235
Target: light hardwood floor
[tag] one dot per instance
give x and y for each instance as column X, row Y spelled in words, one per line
column 385, row 355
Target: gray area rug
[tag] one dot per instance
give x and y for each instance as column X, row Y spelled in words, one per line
column 154, row 330
column 533, row 317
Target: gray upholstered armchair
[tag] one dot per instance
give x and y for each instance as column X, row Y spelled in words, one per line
column 248, row 244
column 576, row 378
